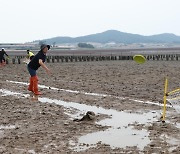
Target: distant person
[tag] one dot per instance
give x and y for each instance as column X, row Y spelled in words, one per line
column 29, row 57
column 2, row 59
column 37, row 61
column 30, row 54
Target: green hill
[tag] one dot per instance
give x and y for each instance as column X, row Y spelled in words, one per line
column 117, row 37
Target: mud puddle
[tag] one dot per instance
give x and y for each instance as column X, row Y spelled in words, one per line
column 122, row 132
column 121, row 124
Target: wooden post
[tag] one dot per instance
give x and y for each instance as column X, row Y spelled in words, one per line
column 19, row 61
column 157, row 57
column 76, row 59
column 48, row 60
column 13, row 60
column 57, row 59
column 52, row 59
column 92, row 58
column 167, row 57
column 62, row 59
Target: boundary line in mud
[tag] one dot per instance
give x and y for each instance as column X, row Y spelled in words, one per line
column 87, row 93
column 66, row 90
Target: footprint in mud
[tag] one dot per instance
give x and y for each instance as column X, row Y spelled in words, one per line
column 90, row 115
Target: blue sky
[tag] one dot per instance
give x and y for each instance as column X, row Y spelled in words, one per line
column 27, row 20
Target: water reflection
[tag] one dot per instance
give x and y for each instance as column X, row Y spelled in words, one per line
column 120, row 132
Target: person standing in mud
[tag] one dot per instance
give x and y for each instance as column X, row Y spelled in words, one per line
column 37, row 61
column 2, row 59
column 30, row 54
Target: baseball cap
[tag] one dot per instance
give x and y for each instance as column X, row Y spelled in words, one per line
column 45, row 45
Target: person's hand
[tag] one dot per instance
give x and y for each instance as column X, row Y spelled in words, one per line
column 48, row 71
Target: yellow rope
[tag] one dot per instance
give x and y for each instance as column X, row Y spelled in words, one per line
column 175, row 98
column 171, row 92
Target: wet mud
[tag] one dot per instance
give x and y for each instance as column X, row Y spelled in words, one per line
column 126, row 99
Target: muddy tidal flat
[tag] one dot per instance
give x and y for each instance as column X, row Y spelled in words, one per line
column 126, row 98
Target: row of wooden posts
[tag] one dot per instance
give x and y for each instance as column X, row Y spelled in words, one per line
column 53, row 59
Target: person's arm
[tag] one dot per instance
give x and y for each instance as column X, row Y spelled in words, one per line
column 6, row 54
column 44, row 66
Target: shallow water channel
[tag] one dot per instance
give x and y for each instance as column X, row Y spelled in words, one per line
column 120, row 133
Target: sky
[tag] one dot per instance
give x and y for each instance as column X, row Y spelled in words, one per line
column 28, row 20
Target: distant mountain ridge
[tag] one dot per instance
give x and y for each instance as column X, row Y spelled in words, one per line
column 117, row 37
